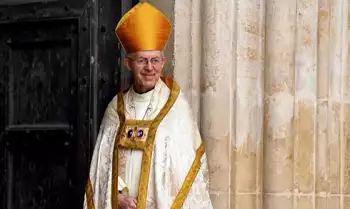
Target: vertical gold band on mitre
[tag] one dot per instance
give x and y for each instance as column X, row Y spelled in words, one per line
column 143, row 27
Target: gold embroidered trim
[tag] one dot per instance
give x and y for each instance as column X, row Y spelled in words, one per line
column 121, row 164
column 89, row 195
column 120, row 110
column 138, row 122
column 190, row 177
column 133, row 141
column 147, row 154
column 126, row 143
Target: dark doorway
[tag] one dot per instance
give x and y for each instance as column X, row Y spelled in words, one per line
column 59, row 68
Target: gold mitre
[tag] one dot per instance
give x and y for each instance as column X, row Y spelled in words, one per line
column 143, row 27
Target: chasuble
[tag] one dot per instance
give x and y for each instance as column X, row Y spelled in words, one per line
column 149, row 147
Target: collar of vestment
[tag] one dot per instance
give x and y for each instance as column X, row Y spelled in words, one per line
column 145, row 96
column 154, row 100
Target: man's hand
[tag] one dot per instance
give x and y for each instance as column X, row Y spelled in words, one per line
column 126, row 202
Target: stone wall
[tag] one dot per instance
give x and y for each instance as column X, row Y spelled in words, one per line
column 269, row 84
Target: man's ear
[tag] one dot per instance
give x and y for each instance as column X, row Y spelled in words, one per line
column 163, row 61
column 127, row 63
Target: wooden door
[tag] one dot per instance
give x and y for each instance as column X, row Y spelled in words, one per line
column 59, row 67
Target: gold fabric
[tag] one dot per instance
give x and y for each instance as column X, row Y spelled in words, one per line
column 143, row 27
column 89, row 195
column 191, row 175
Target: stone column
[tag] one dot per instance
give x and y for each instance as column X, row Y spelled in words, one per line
column 332, row 145
column 217, row 87
column 305, row 88
column 247, row 147
column 219, row 62
column 279, row 104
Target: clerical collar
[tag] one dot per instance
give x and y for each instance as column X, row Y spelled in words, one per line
column 144, row 96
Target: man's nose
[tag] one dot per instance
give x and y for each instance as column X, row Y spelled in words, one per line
column 149, row 65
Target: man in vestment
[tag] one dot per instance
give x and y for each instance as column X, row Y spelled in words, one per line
column 149, row 153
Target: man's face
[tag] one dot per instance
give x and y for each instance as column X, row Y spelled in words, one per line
column 146, row 67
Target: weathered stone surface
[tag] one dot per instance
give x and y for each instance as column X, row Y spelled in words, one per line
column 269, row 84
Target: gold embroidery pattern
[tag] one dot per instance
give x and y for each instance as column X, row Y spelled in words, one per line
column 89, row 195
column 130, row 137
column 190, row 177
column 136, row 133
column 134, row 142
column 147, row 154
column 115, row 159
column 121, row 163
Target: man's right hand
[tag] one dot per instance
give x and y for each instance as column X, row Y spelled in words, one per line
column 126, row 202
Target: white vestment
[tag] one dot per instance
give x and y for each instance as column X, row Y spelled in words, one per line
column 149, row 147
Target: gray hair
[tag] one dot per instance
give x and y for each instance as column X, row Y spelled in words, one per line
column 133, row 53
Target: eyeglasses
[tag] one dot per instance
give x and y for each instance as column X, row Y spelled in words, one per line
column 144, row 61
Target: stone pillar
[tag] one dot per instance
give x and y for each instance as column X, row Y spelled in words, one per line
column 280, row 90
column 219, row 62
column 332, row 145
column 305, row 88
column 217, row 86
column 247, row 147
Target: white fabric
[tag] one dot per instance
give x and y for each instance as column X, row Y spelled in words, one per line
column 176, row 142
column 137, row 106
